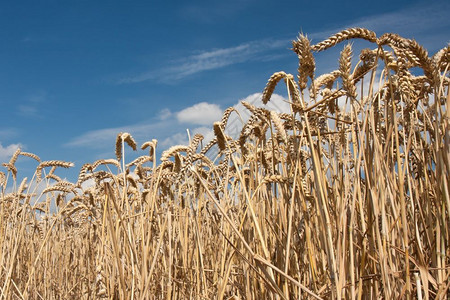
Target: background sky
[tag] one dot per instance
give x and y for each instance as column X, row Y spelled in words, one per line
column 73, row 74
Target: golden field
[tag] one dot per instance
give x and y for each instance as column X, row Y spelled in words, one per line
column 344, row 197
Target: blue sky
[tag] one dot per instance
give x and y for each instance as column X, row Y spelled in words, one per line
column 73, row 74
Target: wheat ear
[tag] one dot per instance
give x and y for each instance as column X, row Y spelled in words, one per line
column 217, row 126
column 152, row 144
column 31, row 155
column 172, row 151
column 51, row 163
column 279, row 125
column 345, row 65
column 307, row 64
column 121, row 138
column 271, row 84
column 346, row 34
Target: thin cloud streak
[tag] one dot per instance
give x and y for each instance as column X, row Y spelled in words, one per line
column 107, row 136
column 210, row 60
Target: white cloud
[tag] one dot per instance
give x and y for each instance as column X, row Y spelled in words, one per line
column 175, row 139
column 7, row 152
column 202, row 113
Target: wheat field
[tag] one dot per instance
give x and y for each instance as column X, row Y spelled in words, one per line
column 345, row 197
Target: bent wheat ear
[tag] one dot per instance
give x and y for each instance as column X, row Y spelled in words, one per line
column 346, row 34
column 12, row 169
column 424, row 61
column 110, row 161
column 13, row 159
column 32, row 155
column 172, row 151
column 271, row 84
column 139, row 161
column 326, row 80
column 51, row 163
column 152, row 144
column 121, row 138
column 62, row 186
column 226, row 115
column 441, row 59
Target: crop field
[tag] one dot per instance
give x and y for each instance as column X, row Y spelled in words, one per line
column 344, row 197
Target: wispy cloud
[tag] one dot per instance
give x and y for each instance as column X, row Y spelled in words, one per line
column 211, row 11
column 210, row 60
column 31, row 106
column 8, row 132
column 102, row 137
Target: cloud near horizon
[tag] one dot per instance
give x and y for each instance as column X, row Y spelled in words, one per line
column 198, row 118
